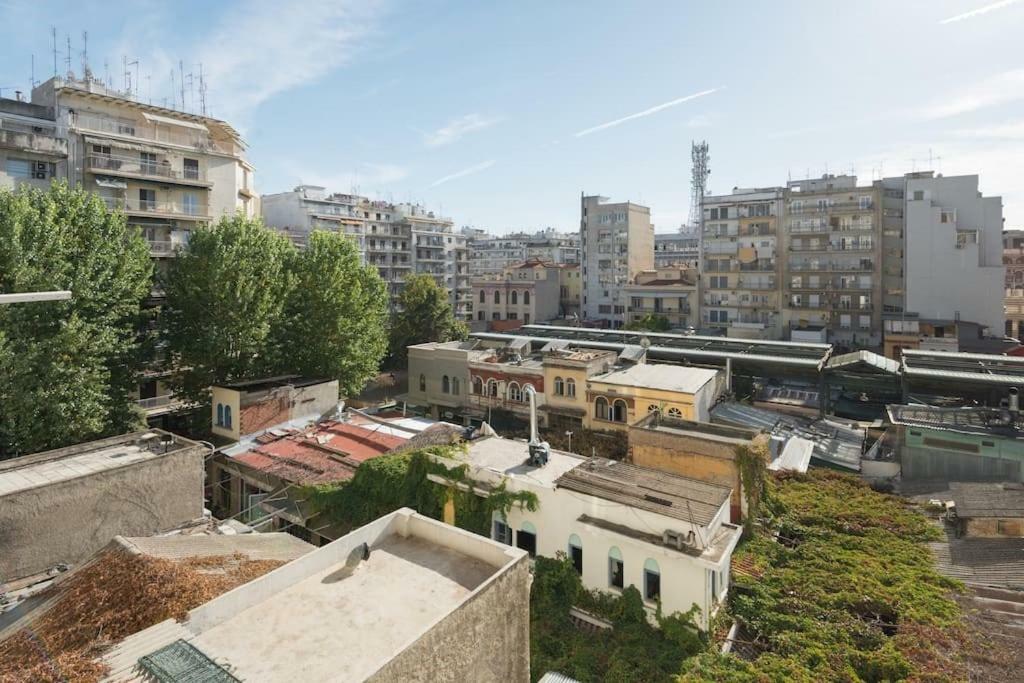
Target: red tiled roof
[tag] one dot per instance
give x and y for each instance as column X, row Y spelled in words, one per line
column 329, row 453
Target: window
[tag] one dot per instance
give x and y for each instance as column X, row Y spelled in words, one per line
column 492, row 388
column 515, row 298
column 496, row 316
column 526, row 298
column 526, row 539
column 479, row 315
column 918, row 195
column 513, row 316
column 675, row 412
column 478, row 386
column 423, row 382
column 19, row 168
column 482, row 298
column 570, row 388
column 864, row 202
column 559, row 387
column 576, row 553
column 526, row 318
column 514, row 393
column 147, row 160
column 652, row 581
column 190, row 167
column 615, row 568
column 446, row 385
column 147, row 199
column 619, row 411
column 501, row 533
column 497, row 297
column 455, row 386
column 227, row 416
column 220, row 414
column 652, row 408
column 601, row 408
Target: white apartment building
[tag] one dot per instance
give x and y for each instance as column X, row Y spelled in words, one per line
column 741, row 273
column 953, row 251
column 677, row 250
column 616, row 244
column 494, row 253
column 32, row 151
column 398, row 239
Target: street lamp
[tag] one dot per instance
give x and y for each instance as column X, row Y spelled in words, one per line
column 569, row 434
column 32, row 297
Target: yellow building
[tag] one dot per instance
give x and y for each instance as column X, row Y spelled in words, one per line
column 619, row 398
column 565, row 380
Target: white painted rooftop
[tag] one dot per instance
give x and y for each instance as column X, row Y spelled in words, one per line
column 31, row 471
column 510, row 458
column 684, row 379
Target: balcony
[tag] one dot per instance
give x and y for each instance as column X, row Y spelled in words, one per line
column 161, row 247
column 832, row 207
column 158, row 405
column 199, row 140
column 864, row 266
column 131, row 167
column 31, row 141
column 755, row 284
column 152, row 207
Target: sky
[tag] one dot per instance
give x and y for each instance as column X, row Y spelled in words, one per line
column 500, row 114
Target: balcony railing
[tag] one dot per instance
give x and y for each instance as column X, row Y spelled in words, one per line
column 166, row 401
column 116, row 165
column 755, row 284
column 814, row 207
column 31, row 141
column 199, row 140
column 146, row 206
column 825, row 267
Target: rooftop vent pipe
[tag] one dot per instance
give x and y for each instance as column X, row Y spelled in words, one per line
column 1014, row 402
column 539, row 450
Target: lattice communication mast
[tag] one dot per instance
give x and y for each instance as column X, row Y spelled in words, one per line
column 698, row 181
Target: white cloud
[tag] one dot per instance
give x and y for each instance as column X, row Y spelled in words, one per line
column 1002, row 131
column 465, row 172
column 988, row 92
column 646, row 112
column 456, row 128
column 366, row 176
column 979, row 11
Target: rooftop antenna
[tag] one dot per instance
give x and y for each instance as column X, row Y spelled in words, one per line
column 106, row 74
column 699, row 156
column 173, row 90
column 129, row 86
column 86, row 73
column 32, row 74
column 53, row 36
column 181, row 72
column 202, row 90
column 149, row 88
column 191, row 90
column 67, row 57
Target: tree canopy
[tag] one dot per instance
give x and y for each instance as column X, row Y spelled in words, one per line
column 335, row 315
column 68, row 368
column 424, row 314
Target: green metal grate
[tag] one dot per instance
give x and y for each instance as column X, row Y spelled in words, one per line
column 181, row 662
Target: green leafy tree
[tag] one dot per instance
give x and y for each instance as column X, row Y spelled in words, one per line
column 650, row 323
column 424, row 314
column 68, row 368
column 335, row 316
column 225, row 293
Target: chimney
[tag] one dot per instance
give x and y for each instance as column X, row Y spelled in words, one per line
column 17, row 95
column 1014, row 402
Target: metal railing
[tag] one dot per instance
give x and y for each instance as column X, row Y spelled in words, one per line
column 194, row 209
column 164, row 401
column 814, row 207
column 863, row 266
column 199, row 140
column 113, row 163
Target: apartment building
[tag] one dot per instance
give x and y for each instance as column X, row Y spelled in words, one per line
column 32, row 150
column 666, row 292
column 740, row 274
column 528, row 292
column 616, row 244
column 677, row 250
column 1013, row 299
column 494, row 253
column 398, row 239
column 831, row 273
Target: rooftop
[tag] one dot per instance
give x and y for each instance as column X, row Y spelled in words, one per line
column 988, row 499
column 979, row 368
column 83, row 460
column 679, row 378
column 510, row 458
column 974, row 420
column 648, row 489
column 264, row 383
column 356, row 614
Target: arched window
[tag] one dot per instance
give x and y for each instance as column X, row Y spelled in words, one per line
column 652, row 581
column 515, row 297
column 601, row 408
column 497, row 297
column 227, row 416
column 220, row 414
column 478, row 386
column 675, row 412
column 514, row 394
column 527, row 538
column 455, row 386
column 526, row 297
column 570, row 388
column 483, row 297
column 619, row 410
column 616, row 569
column 423, row 382
column 492, row 388
column 576, row 552
column 652, row 408
column 559, row 387
column 446, row 385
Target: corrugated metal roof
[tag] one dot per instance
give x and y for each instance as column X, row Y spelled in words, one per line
column 988, row 499
column 864, row 357
column 973, row 420
column 554, row 677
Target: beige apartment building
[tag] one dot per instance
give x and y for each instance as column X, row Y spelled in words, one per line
column 670, row 293
column 740, row 279
column 32, row 151
column 832, row 270
column 616, row 244
column 525, row 293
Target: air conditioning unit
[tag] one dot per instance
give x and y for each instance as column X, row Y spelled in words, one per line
column 677, row 539
column 39, row 170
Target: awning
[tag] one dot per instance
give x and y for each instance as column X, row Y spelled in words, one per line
column 166, row 120
column 112, row 183
column 121, row 144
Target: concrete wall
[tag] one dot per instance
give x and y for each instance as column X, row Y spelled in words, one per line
column 927, row 454
column 68, row 521
column 433, row 364
column 993, row 527
column 942, row 280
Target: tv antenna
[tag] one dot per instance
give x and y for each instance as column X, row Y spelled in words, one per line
column 53, row 36
column 86, row 73
column 67, row 57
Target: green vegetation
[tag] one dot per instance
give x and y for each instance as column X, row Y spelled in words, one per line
column 634, row 650
column 650, row 323
column 243, row 302
column 847, row 592
column 752, row 462
column 68, row 368
column 384, row 484
column 424, row 314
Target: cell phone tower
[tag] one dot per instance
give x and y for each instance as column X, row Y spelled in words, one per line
column 699, row 157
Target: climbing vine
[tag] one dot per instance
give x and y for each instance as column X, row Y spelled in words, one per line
column 752, row 461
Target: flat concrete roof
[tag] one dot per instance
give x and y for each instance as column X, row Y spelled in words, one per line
column 83, row 460
column 510, row 458
column 679, row 378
